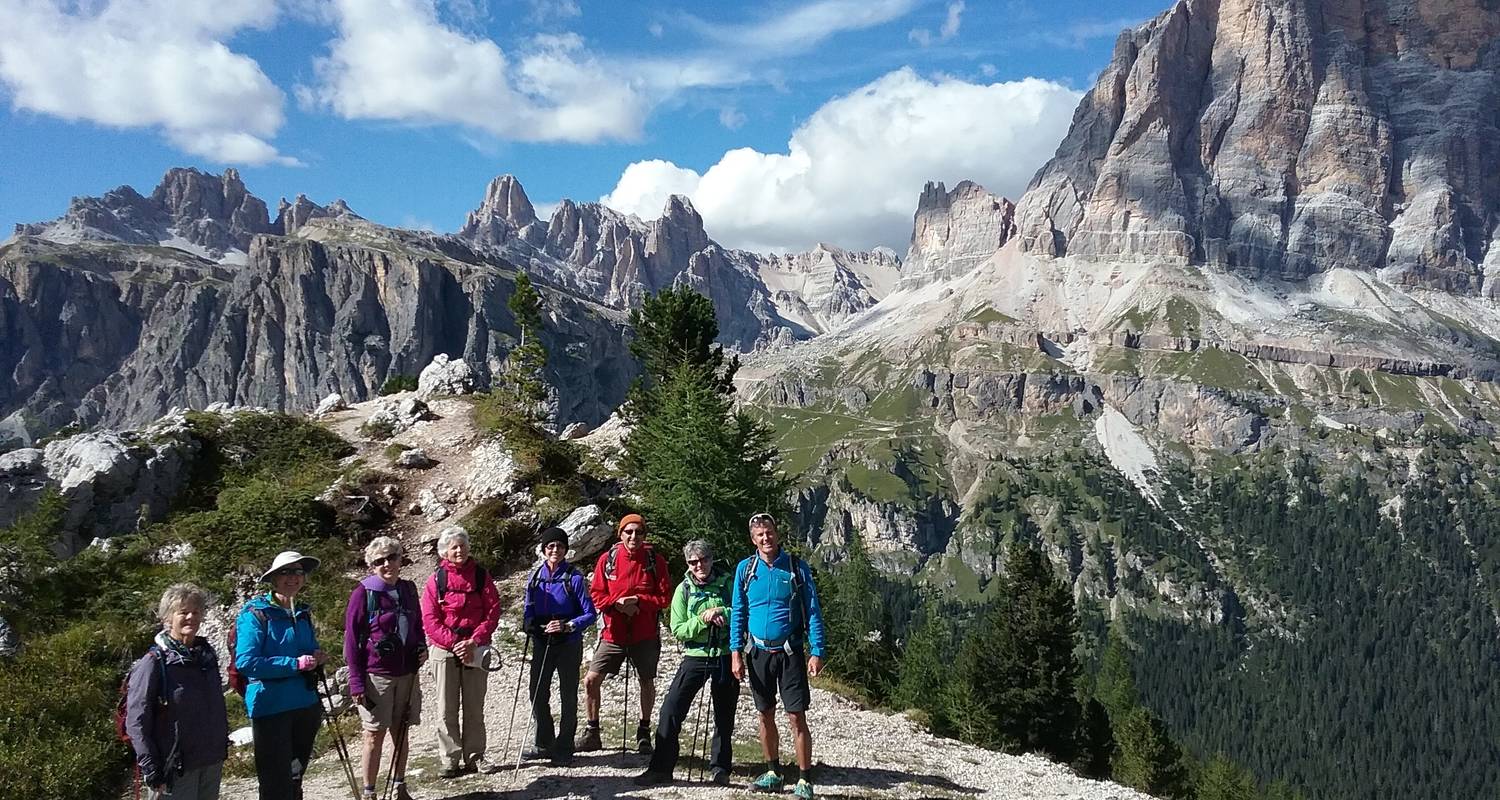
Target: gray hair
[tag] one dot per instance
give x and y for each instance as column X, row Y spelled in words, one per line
column 449, row 534
column 699, row 547
column 177, row 596
column 380, row 547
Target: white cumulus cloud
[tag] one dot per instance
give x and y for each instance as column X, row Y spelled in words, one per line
column 157, row 64
column 395, row 60
column 852, row 172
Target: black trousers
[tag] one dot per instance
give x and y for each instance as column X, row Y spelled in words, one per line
column 725, row 690
column 283, row 746
column 562, row 658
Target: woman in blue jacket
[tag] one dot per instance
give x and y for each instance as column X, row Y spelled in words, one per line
column 277, row 650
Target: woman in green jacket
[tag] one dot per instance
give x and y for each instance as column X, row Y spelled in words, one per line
column 700, row 618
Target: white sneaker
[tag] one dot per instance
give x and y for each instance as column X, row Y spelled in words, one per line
column 484, row 765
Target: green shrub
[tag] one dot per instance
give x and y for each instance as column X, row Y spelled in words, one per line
column 398, row 383
column 253, row 522
column 394, row 450
column 497, row 539
column 378, row 429
column 56, row 713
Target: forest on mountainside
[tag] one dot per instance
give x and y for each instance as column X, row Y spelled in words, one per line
column 1356, row 656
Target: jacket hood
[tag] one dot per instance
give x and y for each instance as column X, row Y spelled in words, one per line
column 375, row 583
column 263, row 601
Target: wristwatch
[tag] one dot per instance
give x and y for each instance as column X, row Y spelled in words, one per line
column 568, row 626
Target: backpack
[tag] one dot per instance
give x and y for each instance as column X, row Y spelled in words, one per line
column 797, row 584
column 567, row 575
column 481, row 577
column 237, row 681
column 161, row 697
column 609, row 562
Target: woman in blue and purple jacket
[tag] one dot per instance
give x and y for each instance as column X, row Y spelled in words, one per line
column 383, row 646
column 558, row 610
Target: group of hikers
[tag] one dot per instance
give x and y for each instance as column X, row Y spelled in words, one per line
column 761, row 623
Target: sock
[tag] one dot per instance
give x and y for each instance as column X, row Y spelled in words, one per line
column 774, row 765
column 593, row 723
column 643, row 724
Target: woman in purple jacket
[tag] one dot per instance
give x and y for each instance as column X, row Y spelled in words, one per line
column 383, row 646
column 558, row 610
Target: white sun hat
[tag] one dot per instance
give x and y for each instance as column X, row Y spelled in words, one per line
column 287, row 558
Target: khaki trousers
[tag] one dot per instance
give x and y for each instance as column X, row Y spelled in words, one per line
column 459, row 686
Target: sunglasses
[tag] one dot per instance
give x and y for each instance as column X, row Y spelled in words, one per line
column 762, row 517
column 295, row 572
column 393, row 559
column 632, row 529
column 695, row 561
column 554, row 546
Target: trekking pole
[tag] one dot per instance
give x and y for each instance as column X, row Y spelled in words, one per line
column 625, row 709
column 713, row 675
column 339, row 745
column 535, row 693
column 398, row 741
column 516, row 696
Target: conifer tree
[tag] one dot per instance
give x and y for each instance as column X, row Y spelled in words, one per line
column 1222, row 779
column 925, row 661
column 523, row 383
column 1146, row 758
column 700, row 467
column 855, row 611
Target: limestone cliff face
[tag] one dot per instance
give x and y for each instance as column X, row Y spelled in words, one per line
column 119, row 334
column 619, row 259
column 1287, row 138
column 953, row 231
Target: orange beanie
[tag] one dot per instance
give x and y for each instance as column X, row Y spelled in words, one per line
column 627, row 519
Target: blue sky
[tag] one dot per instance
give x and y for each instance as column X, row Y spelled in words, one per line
column 406, row 108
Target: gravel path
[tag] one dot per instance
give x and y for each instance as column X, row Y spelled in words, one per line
column 861, row 754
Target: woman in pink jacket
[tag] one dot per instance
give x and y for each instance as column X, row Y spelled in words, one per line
column 460, row 609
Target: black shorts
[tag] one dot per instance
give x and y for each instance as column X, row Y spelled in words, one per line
column 773, row 671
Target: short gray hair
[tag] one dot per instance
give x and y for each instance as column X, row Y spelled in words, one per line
column 177, row 596
column 449, row 534
column 700, row 547
column 381, row 546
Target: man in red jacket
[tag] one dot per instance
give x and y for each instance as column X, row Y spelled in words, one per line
column 630, row 586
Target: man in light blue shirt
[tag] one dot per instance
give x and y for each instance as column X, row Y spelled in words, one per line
column 775, row 624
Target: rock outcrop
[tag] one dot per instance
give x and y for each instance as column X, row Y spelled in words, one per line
column 1286, row 138
column 952, row 232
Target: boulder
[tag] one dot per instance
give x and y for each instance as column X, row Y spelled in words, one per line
column 330, row 404
column 445, row 376
column 492, row 472
column 577, row 430
column 415, row 458
column 394, row 417
column 10, row 642
column 589, row 534
column 430, row 506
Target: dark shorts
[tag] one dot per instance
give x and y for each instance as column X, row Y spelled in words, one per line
column 774, row 671
column 608, row 657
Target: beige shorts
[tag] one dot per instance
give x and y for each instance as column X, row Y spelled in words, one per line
column 608, row 657
column 382, row 692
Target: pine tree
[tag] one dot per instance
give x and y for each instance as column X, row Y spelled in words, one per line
column 672, row 328
column 700, row 467
column 925, row 661
column 523, row 384
column 855, row 612
column 1146, row 758
column 1222, row 779
column 1018, row 665
column 1115, row 684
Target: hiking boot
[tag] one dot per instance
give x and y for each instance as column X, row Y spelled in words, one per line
column 451, row 770
column 643, row 739
column 401, row 793
column 769, row 782
column 561, row 759
column 803, row 790
column 719, row 777
column 484, row 765
column 653, row 778
column 533, row 753
column 590, row 740
column 367, row 794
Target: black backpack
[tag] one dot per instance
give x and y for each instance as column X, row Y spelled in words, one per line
column 481, row 577
column 797, row 585
column 609, row 561
column 406, row 592
column 567, row 576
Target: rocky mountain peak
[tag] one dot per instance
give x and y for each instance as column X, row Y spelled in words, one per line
column 952, row 231
column 1286, row 138
column 210, row 215
column 290, row 217
column 505, row 211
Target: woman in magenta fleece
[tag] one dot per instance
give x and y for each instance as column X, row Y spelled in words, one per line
column 384, row 646
column 460, row 609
